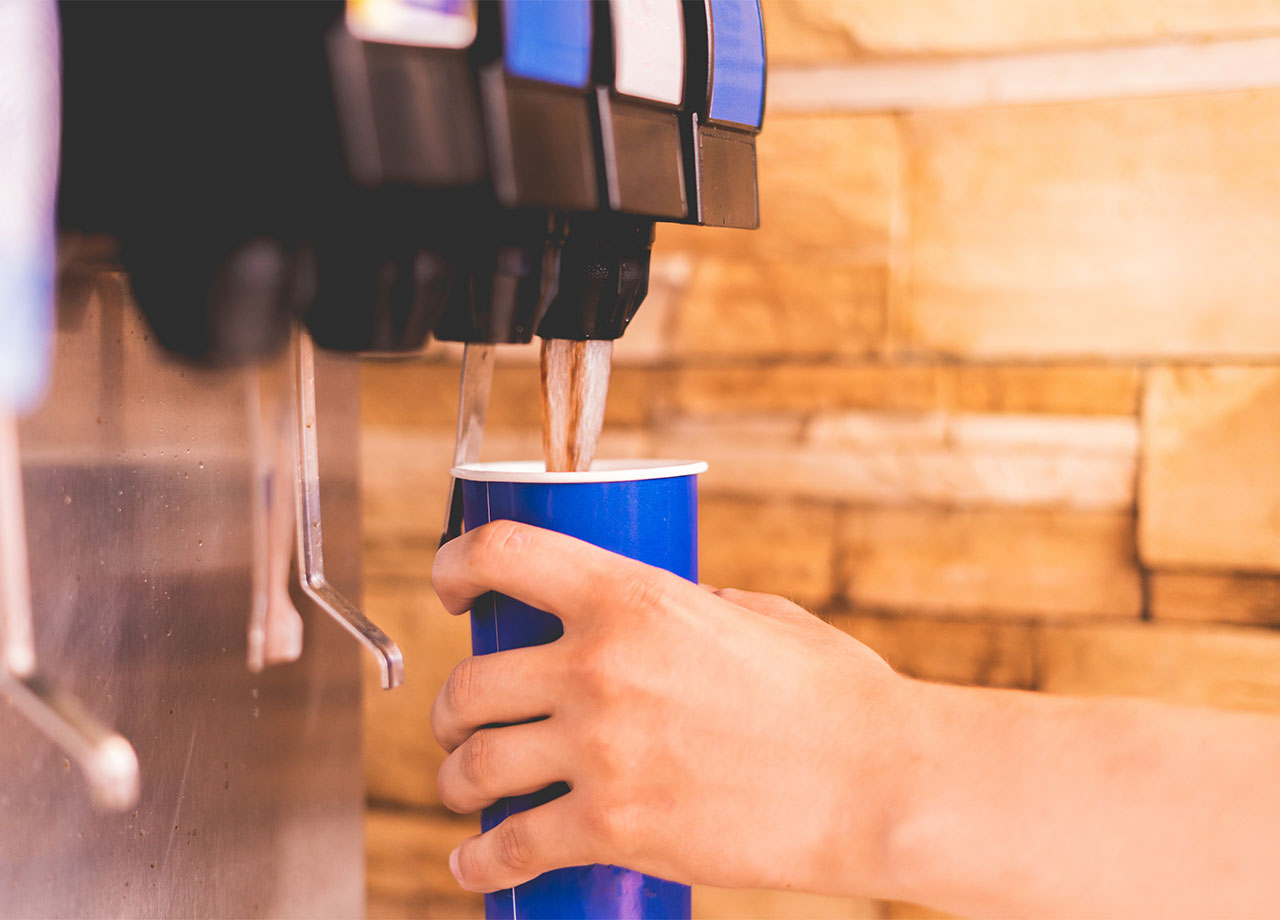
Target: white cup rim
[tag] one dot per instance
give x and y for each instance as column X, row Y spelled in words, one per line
column 534, row 471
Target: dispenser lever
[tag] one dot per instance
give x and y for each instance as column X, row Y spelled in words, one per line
column 15, row 576
column 275, row 626
column 107, row 759
column 310, row 548
column 474, row 389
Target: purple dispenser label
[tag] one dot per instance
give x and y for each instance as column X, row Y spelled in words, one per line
column 737, row 62
column 548, row 40
column 429, row 23
column 652, row 519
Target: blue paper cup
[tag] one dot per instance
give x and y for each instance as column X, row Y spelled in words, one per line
column 645, row 509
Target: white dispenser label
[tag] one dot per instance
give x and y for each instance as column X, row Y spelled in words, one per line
column 648, row 49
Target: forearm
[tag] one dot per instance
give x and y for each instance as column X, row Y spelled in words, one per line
column 1019, row 804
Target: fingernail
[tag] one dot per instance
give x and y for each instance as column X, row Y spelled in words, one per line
column 453, row 866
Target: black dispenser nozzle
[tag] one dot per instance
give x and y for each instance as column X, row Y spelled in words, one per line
column 381, row 281
column 604, row 277
column 218, row 302
column 504, row 271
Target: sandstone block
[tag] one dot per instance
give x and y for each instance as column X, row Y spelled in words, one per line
column 1204, row 597
column 729, row 904
column 409, row 393
column 901, row 458
column 1017, row 563
column 1025, row 389
column 813, row 279
column 985, row 653
column 407, row 866
column 809, row 31
column 1210, row 496
column 1120, row 228
column 778, row 547
column 404, row 480
column 804, row 388
column 901, row 910
column 737, row 307
column 1079, row 389
column 829, row 185
column 1212, row 666
column 401, row 756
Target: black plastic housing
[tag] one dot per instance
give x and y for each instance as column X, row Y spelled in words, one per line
column 410, row 115
column 541, row 140
column 202, row 136
column 720, row 160
column 380, row 280
column 504, row 271
column 604, row 277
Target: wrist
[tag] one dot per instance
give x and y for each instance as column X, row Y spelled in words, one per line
column 916, row 742
column 883, row 754
column 945, row 739
column 920, row 741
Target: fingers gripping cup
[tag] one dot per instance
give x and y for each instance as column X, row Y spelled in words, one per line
column 647, row 510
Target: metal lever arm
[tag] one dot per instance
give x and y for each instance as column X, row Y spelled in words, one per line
column 107, row 759
column 310, row 548
column 275, row 627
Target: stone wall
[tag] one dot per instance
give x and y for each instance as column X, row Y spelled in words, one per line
column 995, row 388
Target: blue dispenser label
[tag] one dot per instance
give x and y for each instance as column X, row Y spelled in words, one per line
column 26, row 326
column 737, row 66
column 428, row 23
column 548, row 40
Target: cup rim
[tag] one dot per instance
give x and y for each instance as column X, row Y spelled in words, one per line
column 534, row 471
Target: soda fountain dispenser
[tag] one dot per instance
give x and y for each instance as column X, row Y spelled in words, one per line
column 277, row 188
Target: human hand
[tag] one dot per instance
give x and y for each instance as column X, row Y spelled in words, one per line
column 718, row 737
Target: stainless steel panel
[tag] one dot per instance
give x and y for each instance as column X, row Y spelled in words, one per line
column 136, row 475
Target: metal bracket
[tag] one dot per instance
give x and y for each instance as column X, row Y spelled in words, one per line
column 106, row 757
column 310, row 548
column 474, row 389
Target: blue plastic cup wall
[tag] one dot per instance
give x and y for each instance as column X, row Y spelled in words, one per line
column 654, row 520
